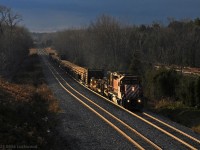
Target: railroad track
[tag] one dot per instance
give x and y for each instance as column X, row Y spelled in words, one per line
column 145, row 137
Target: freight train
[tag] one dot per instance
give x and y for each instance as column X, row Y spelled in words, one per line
column 123, row 89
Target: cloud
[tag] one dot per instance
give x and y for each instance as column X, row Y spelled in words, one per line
column 57, row 14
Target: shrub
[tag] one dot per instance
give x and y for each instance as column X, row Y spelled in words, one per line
column 165, row 83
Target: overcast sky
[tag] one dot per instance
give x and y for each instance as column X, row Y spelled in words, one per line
column 53, row 15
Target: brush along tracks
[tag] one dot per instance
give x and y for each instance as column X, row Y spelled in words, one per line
column 142, row 130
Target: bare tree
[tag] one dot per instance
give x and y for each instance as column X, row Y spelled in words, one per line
column 3, row 16
column 13, row 39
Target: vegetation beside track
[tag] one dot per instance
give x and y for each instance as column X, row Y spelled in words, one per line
column 178, row 112
column 28, row 109
column 175, row 96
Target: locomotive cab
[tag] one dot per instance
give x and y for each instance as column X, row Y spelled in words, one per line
column 128, row 91
column 131, row 91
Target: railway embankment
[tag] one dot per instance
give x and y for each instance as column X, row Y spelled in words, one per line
column 28, row 109
column 176, row 111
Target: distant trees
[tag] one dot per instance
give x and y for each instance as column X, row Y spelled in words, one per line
column 107, row 43
column 104, row 44
column 14, row 40
column 71, row 45
column 111, row 42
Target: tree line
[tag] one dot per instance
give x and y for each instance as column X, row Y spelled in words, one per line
column 15, row 41
column 107, row 43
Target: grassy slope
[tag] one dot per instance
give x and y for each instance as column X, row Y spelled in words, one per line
column 180, row 113
column 27, row 108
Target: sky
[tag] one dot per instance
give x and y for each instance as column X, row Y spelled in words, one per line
column 56, row 15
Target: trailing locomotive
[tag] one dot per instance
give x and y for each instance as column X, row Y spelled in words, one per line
column 123, row 89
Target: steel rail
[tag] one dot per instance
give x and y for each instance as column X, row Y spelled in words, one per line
column 177, row 130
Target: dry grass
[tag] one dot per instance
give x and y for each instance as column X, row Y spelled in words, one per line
column 25, row 93
column 32, row 51
column 46, row 94
column 28, row 108
column 22, row 93
column 196, row 129
column 26, row 113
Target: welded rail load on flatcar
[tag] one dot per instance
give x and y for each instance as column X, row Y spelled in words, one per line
column 123, row 89
column 78, row 72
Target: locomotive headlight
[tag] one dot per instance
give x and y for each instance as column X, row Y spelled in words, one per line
column 133, row 88
column 128, row 101
column 139, row 101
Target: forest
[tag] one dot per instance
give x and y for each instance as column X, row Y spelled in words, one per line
column 15, row 41
column 129, row 47
column 112, row 45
